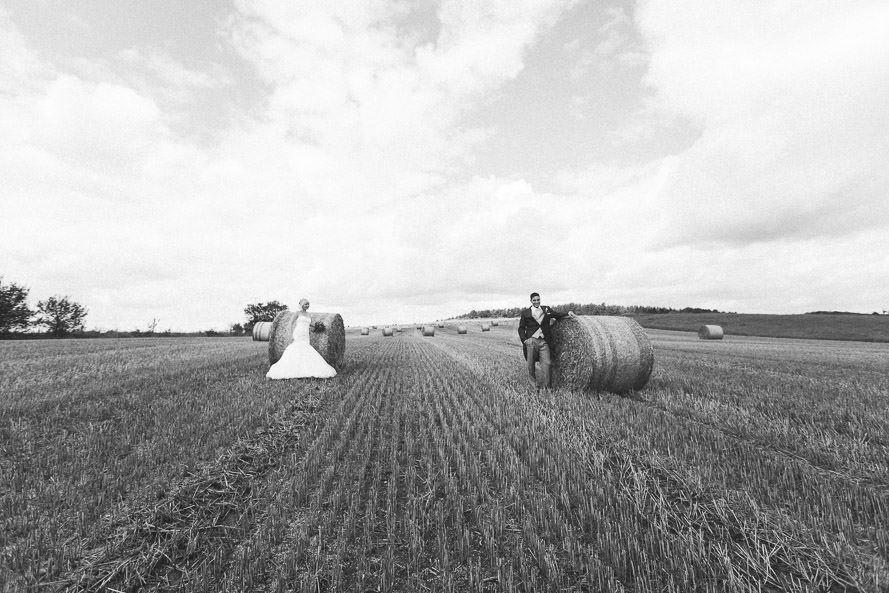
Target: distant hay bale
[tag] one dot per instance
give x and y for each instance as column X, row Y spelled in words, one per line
column 365, row 331
column 261, row 331
column 494, row 323
column 429, row 331
column 461, row 329
column 440, row 324
column 486, row 327
column 710, row 332
column 388, row 332
column 601, row 353
column 373, row 327
column 330, row 343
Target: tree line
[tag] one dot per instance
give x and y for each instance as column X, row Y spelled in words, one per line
column 58, row 315
column 587, row 309
column 61, row 316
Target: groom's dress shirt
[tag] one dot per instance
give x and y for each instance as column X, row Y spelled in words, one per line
column 538, row 314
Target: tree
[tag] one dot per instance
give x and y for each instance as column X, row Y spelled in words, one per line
column 237, row 329
column 60, row 315
column 14, row 311
column 262, row 312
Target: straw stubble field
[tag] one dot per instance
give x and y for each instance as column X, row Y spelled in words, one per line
column 427, row 464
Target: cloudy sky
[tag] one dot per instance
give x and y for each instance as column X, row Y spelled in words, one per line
column 412, row 160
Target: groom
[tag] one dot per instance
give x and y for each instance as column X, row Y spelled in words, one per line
column 535, row 331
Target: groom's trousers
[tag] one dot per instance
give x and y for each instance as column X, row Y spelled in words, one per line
column 538, row 349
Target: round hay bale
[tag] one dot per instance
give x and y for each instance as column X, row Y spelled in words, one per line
column 261, row 331
column 461, row 329
column 388, row 332
column 429, row 331
column 710, row 332
column 365, row 331
column 601, row 353
column 440, row 324
column 486, row 327
column 494, row 323
column 330, row 343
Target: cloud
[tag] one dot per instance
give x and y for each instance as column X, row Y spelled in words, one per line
column 613, row 47
column 20, row 67
column 319, row 189
column 344, row 80
column 790, row 103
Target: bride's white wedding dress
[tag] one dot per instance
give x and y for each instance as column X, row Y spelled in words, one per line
column 299, row 359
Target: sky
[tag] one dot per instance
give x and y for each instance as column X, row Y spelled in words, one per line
column 406, row 161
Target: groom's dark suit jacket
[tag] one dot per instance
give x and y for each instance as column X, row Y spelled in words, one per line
column 528, row 325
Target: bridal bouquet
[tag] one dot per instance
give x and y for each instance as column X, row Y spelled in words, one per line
column 318, row 327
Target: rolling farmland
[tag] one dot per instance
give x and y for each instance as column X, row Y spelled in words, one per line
column 749, row 464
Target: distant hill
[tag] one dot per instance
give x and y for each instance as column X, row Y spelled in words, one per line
column 832, row 326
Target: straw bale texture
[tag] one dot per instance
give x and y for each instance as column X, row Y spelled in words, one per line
column 486, row 327
column 601, row 353
column 365, row 331
column 388, row 332
column 710, row 332
column 330, row 343
column 261, row 331
column 429, row 330
column 461, row 329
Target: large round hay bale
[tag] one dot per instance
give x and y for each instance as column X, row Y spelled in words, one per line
column 330, row 343
column 388, row 332
column 429, row 331
column 261, row 331
column 365, row 331
column 440, row 324
column 494, row 323
column 461, row 329
column 601, row 353
column 486, row 327
column 710, row 332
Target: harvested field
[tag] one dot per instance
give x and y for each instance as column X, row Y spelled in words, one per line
column 172, row 464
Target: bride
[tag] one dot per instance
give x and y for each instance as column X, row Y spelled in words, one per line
column 299, row 359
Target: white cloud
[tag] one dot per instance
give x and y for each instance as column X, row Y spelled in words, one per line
column 791, row 103
column 609, row 48
column 317, row 194
column 20, row 67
